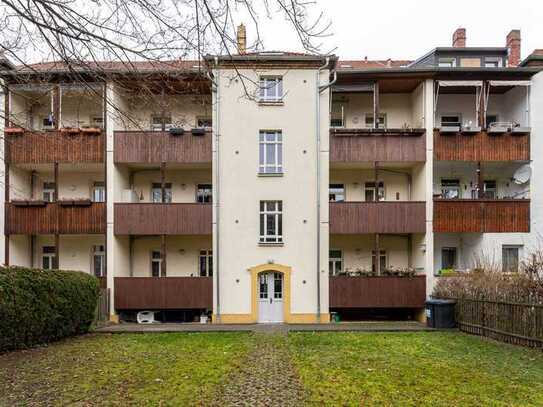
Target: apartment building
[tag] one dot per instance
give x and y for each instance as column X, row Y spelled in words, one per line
column 275, row 186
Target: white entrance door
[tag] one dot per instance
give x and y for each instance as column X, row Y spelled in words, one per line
column 270, row 297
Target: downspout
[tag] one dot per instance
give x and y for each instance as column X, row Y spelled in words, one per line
column 320, row 89
column 216, row 198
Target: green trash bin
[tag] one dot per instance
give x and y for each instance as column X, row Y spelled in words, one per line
column 335, row 317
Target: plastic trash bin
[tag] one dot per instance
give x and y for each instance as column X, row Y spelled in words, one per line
column 440, row 314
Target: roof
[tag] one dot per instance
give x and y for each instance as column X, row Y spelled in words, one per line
column 534, row 59
column 345, row 65
column 460, row 50
column 272, row 58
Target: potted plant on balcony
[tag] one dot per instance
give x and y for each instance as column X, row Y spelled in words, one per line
column 89, row 130
column 69, row 130
column 13, row 131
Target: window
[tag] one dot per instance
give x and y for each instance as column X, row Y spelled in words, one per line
column 369, row 191
column 99, row 192
column 263, row 285
column 49, row 192
column 271, row 221
column 47, row 123
column 448, row 258
column 335, row 262
column 49, row 258
column 156, row 192
column 97, row 121
column 98, row 260
column 161, row 123
column 271, row 88
column 493, row 62
column 490, row 190
column 446, row 62
column 336, row 193
column 510, row 258
column 337, row 115
column 451, row 120
column 370, row 124
column 206, row 263
column 490, row 119
column 204, row 193
column 450, row 189
column 271, row 152
column 277, row 285
column 156, row 263
column 382, row 260
column 204, row 122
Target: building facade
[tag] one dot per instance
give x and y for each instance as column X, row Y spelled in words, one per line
column 275, row 186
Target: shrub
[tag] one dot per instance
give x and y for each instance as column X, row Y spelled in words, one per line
column 40, row 306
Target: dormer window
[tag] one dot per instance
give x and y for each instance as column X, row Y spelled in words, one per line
column 493, row 62
column 447, row 62
column 271, row 88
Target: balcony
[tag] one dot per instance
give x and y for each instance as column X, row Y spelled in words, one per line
column 482, row 215
column 377, row 217
column 481, row 146
column 163, row 293
column 61, row 146
column 66, row 217
column 370, row 145
column 377, row 292
column 153, row 147
column 163, row 219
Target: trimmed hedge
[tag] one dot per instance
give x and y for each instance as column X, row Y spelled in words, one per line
column 40, row 306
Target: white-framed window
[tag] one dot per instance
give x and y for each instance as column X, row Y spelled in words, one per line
column 204, row 193
column 156, row 192
column 271, row 88
column 271, row 221
column 270, row 152
column 205, row 263
column 451, row 120
column 368, row 120
column 369, row 191
column 161, row 123
column 382, row 260
column 99, row 191
column 277, row 285
column 336, row 193
column 49, row 258
column 450, row 189
column 493, row 62
column 511, row 258
column 156, row 263
column 446, row 62
column 335, row 262
column 204, row 122
column 98, row 260
column 448, row 258
column 49, row 192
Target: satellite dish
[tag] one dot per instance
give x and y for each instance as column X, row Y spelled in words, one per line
column 522, row 175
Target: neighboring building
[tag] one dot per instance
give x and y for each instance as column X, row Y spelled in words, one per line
column 274, row 186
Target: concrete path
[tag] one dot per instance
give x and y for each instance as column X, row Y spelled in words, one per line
column 392, row 326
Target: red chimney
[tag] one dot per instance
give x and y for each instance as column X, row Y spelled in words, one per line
column 513, row 48
column 459, row 38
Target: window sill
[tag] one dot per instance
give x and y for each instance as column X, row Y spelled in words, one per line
column 270, row 174
column 269, row 244
column 271, row 103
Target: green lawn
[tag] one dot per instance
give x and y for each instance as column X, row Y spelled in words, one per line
column 416, row 369
column 126, row 369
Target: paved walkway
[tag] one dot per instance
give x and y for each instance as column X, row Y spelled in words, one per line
column 266, row 378
column 392, row 326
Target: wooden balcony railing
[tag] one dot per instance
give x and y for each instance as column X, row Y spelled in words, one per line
column 163, row 219
column 55, row 218
column 377, row 217
column 481, row 147
column 367, row 145
column 157, row 147
column 43, row 147
column 377, row 292
column 482, row 215
column 161, row 293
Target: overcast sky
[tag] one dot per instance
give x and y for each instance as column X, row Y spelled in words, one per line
column 403, row 29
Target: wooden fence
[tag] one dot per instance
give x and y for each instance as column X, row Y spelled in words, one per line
column 511, row 322
column 102, row 308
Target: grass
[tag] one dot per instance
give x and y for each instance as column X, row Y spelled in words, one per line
column 128, row 369
column 415, row 369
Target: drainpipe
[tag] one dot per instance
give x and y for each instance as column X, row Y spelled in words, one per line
column 216, row 198
column 320, row 89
